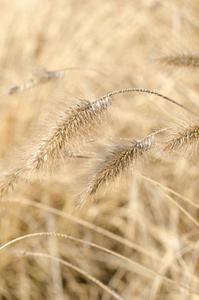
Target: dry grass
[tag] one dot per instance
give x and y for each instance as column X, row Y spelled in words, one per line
column 190, row 60
column 139, row 238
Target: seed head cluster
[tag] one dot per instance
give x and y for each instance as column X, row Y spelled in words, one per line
column 111, row 164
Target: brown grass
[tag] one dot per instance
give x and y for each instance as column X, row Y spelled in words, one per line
column 181, row 138
column 190, row 60
column 138, row 240
column 71, row 125
column 111, row 164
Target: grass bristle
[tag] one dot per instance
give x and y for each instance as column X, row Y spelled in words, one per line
column 181, row 138
column 81, row 119
column 131, row 165
column 180, row 59
column 112, row 163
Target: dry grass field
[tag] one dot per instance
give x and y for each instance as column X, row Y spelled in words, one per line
column 99, row 194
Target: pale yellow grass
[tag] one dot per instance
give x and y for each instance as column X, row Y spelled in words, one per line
column 138, row 238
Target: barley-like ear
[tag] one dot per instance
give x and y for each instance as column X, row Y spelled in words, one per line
column 43, row 76
column 78, row 121
column 9, row 180
column 112, row 163
column 180, row 59
column 182, row 137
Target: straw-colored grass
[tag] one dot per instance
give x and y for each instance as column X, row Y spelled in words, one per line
column 138, row 239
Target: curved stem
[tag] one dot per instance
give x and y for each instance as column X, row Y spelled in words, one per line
column 148, row 92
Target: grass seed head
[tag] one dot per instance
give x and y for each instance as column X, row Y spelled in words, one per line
column 113, row 163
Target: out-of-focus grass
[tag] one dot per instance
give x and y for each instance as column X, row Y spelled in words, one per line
column 119, row 42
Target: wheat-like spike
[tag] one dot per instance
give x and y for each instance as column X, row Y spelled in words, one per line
column 117, row 159
column 112, row 164
column 180, row 59
column 44, row 76
column 184, row 136
column 78, row 121
column 181, row 137
column 9, row 180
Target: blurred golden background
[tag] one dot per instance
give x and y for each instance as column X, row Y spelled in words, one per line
column 99, row 46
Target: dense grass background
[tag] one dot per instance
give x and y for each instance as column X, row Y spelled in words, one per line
column 114, row 44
